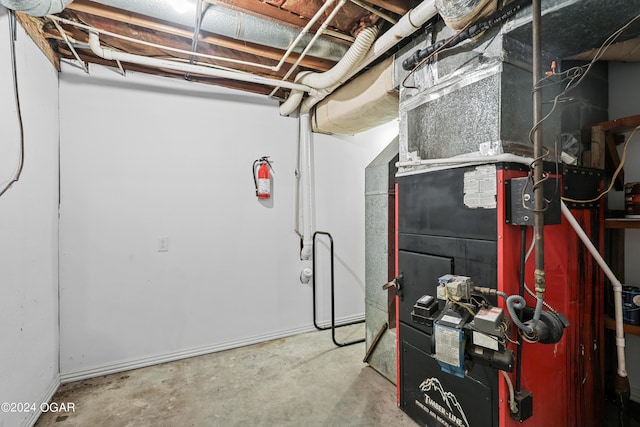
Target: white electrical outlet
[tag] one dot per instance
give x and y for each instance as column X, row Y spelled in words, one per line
column 163, row 244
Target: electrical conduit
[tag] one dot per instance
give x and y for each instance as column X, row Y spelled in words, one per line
column 112, row 55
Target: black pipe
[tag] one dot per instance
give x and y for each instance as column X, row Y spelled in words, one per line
column 538, row 152
column 333, row 326
column 473, row 30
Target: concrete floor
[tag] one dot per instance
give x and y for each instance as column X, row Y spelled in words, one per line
column 302, row 380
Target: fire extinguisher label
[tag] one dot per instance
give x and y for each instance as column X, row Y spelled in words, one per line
column 264, row 186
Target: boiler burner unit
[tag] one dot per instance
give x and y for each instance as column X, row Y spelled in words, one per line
column 462, row 237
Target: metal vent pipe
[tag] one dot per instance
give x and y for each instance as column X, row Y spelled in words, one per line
column 227, row 22
column 36, row 7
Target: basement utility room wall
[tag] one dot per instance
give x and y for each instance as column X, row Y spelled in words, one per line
column 28, row 229
column 624, row 101
column 144, row 157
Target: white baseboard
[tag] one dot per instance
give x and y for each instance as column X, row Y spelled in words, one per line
column 33, row 416
column 128, row 365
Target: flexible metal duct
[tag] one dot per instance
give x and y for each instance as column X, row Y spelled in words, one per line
column 221, row 20
column 36, row 7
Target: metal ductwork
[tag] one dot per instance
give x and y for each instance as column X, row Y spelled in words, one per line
column 36, row 7
column 227, row 22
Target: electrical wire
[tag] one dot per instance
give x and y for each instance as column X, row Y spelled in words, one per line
column 451, row 300
column 462, row 305
column 504, row 328
column 513, row 407
column 440, row 48
column 431, row 55
column 572, row 74
column 470, row 30
column 526, row 288
column 615, row 174
column 12, row 39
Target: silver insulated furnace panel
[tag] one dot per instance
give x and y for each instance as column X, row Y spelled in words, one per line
column 379, row 235
column 473, row 100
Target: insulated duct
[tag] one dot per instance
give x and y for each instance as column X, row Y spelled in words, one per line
column 362, row 104
column 36, row 7
column 407, row 25
column 227, row 22
column 458, row 14
column 334, row 76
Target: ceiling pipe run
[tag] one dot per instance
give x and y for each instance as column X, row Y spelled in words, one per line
column 230, row 23
column 334, row 76
column 410, row 22
column 406, row 26
column 112, row 55
column 36, row 7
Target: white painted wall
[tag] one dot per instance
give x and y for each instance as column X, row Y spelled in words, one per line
column 143, row 157
column 624, row 100
column 28, row 230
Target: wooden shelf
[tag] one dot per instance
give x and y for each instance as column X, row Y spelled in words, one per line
column 621, row 223
column 609, row 323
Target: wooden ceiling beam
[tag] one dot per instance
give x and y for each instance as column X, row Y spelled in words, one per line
column 260, row 9
column 265, row 10
column 396, row 6
column 33, row 27
column 125, row 17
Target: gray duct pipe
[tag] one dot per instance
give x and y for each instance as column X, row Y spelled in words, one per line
column 36, row 7
column 227, row 22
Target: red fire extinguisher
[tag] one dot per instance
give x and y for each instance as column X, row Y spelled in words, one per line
column 263, row 180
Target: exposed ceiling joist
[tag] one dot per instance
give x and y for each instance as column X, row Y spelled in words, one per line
column 396, row 6
column 253, row 44
column 33, row 27
column 259, row 8
column 129, row 18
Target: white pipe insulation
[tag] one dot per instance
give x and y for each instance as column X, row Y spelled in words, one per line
column 617, row 288
column 36, row 7
column 335, row 75
column 112, row 55
column 407, row 25
column 305, row 168
column 410, row 22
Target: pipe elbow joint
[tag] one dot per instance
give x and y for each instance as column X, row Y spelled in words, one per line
column 94, row 44
column 305, row 253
